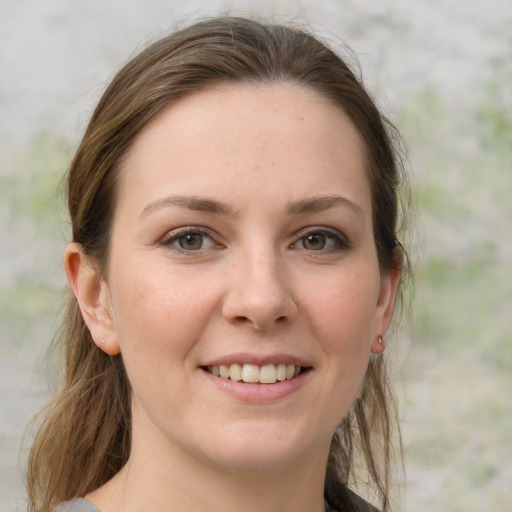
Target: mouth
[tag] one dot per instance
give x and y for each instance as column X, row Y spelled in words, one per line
column 256, row 374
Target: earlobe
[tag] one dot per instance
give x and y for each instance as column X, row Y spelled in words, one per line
column 92, row 293
column 390, row 282
column 378, row 346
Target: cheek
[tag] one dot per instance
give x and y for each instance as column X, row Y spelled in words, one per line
column 343, row 317
column 345, row 305
column 161, row 310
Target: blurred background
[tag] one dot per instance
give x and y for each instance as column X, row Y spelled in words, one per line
column 442, row 71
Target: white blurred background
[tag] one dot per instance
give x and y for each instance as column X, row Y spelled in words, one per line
column 442, row 71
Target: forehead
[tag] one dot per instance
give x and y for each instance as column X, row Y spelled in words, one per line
column 282, row 135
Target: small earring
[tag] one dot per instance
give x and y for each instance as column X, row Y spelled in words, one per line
column 380, row 347
column 103, row 341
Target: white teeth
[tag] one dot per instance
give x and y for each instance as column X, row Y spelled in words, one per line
column 224, row 371
column 235, row 372
column 281, row 372
column 252, row 373
column 268, row 374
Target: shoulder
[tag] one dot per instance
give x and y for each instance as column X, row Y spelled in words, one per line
column 76, row 505
column 343, row 499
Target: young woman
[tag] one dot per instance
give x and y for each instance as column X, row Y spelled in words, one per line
column 235, row 267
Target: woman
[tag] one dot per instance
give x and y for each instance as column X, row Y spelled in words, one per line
column 235, row 265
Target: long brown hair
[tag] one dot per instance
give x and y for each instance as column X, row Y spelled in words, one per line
column 84, row 435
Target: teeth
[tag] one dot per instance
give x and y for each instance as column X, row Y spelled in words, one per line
column 223, row 371
column 281, row 372
column 268, row 374
column 252, row 373
column 235, row 372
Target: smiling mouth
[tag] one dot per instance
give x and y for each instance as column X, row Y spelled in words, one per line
column 255, row 374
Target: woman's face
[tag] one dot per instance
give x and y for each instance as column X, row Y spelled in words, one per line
column 242, row 243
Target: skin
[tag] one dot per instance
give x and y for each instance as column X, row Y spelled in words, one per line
column 286, row 267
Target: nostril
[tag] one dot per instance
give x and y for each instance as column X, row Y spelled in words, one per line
column 241, row 320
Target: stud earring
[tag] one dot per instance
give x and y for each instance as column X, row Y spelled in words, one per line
column 380, row 347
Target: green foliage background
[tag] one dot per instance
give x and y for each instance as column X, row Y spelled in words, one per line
column 458, row 413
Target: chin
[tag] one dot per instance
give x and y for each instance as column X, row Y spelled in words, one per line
column 259, row 448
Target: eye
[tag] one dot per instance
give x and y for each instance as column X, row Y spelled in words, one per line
column 191, row 241
column 314, row 241
column 322, row 240
column 188, row 240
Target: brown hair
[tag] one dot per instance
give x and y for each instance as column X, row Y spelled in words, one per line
column 84, row 437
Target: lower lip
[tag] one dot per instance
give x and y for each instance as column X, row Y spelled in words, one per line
column 259, row 393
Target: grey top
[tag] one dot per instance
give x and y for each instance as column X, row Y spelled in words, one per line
column 348, row 502
column 76, row 505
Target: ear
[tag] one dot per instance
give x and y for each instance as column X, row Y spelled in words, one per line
column 92, row 293
column 389, row 284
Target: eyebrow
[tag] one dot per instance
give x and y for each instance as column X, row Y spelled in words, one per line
column 204, row 204
column 200, row 204
column 321, row 203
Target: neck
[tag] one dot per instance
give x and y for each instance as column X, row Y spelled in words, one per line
column 171, row 480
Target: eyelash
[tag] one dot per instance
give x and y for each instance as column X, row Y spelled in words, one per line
column 338, row 240
column 173, row 237
column 332, row 237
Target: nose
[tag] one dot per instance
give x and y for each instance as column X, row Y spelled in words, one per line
column 259, row 295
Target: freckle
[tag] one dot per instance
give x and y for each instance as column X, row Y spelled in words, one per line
column 301, row 118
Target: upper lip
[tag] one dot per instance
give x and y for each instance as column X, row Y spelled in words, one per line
column 258, row 359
